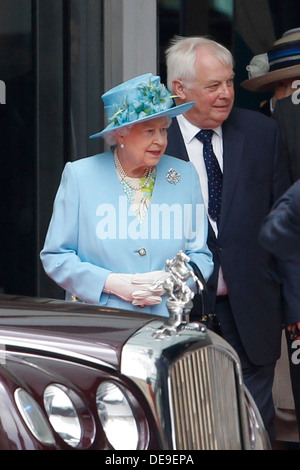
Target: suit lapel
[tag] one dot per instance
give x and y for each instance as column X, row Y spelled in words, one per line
column 176, row 146
column 233, row 147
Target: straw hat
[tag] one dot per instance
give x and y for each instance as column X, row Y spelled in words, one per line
column 140, row 99
column 282, row 61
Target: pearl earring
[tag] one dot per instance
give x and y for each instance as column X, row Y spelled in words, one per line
column 122, row 146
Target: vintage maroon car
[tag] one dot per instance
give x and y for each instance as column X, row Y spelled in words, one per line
column 76, row 376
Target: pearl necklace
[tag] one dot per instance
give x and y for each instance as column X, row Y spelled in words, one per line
column 124, row 177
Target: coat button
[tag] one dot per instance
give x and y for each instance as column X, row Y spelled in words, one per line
column 142, row 252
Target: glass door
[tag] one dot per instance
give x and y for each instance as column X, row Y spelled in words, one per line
column 51, row 79
column 17, row 149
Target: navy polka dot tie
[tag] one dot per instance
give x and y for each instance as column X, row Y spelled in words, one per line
column 214, row 174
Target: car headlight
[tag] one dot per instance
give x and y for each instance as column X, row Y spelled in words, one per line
column 117, row 417
column 62, row 414
column 69, row 416
column 34, row 417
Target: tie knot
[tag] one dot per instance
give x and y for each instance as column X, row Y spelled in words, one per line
column 205, row 135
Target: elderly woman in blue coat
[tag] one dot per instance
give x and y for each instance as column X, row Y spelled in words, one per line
column 118, row 216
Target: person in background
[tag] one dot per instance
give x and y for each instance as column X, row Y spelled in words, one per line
column 236, row 154
column 287, row 114
column 120, row 215
column 280, row 234
column 276, row 71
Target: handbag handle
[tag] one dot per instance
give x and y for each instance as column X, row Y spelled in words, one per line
column 198, row 299
column 199, row 275
column 209, row 319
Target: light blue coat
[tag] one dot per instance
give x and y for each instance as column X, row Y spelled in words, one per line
column 93, row 231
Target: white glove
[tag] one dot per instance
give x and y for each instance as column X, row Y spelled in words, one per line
column 143, row 298
column 120, row 285
column 152, row 280
column 150, row 287
column 140, row 289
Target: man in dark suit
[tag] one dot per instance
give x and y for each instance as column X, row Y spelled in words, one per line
column 244, row 289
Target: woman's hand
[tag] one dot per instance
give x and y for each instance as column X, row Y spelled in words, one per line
column 120, row 285
column 140, row 289
column 153, row 280
column 149, row 287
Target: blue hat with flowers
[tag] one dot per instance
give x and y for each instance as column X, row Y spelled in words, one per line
column 140, row 99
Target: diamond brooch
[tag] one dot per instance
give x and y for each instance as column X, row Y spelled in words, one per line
column 172, row 176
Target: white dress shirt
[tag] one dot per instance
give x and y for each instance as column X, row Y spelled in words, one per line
column 195, row 150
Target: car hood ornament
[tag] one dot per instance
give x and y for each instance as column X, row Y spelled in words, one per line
column 180, row 296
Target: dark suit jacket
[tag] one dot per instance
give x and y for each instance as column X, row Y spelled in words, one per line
column 281, row 230
column 254, row 176
column 288, row 115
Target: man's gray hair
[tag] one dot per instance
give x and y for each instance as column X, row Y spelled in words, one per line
column 181, row 56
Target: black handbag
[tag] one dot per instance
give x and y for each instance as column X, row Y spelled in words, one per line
column 198, row 313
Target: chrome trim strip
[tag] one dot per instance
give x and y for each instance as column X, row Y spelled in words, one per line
column 33, row 347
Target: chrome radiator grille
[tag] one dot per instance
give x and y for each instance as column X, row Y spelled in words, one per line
column 204, row 401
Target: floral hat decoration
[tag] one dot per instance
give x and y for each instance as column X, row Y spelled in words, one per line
column 140, row 99
column 280, row 62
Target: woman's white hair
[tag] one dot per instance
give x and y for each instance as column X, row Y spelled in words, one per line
column 181, row 56
column 110, row 137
